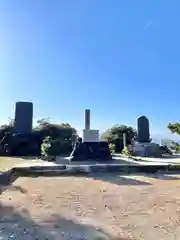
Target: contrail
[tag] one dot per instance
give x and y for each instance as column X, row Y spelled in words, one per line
column 147, row 25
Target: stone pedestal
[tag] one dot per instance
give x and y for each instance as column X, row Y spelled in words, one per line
column 145, row 149
column 90, row 135
column 91, row 151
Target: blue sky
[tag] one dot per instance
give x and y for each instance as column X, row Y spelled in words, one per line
column 119, row 58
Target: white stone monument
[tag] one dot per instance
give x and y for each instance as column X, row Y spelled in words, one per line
column 89, row 135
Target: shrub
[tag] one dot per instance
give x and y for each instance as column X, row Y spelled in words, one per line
column 46, row 146
column 60, row 146
column 177, row 148
column 126, row 151
column 55, row 147
column 112, row 147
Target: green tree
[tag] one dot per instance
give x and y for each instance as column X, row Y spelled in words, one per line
column 114, row 135
column 63, row 131
column 174, row 127
column 177, row 148
column 116, row 132
column 11, row 122
column 61, row 136
column 9, row 127
column 46, row 128
column 43, row 122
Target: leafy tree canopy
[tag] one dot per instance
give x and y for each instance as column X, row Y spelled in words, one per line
column 7, row 127
column 116, row 133
column 44, row 128
column 174, row 127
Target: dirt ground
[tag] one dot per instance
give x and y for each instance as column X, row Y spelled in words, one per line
column 6, row 163
column 99, row 207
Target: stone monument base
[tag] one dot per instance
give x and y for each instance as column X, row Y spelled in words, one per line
column 90, row 135
column 91, row 151
column 145, row 149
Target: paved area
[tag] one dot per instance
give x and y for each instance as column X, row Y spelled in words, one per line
column 147, row 160
column 6, row 163
column 116, row 160
column 111, row 206
column 28, row 163
column 175, row 160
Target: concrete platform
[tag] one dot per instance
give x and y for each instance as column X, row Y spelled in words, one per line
column 165, row 159
column 43, row 168
column 94, row 168
column 51, row 170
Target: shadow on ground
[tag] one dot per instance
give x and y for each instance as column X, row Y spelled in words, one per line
column 124, row 180
column 117, row 179
column 113, row 178
column 6, row 181
column 20, row 225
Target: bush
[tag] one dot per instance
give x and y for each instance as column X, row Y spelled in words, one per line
column 112, row 147
column 55, row 147
column 59, row 146
column 177, row 148
column 126, row 151
column 45, row 146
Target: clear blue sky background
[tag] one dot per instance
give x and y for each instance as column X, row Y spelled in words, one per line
column 120, row 58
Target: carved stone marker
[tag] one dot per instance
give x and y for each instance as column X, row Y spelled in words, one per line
column 143, row 130
column 23, row 117
column 90, row 148
column 89, row 135
column 87, row 119
column 124, row 140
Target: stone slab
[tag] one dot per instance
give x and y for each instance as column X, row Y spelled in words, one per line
column 90, row 135
column 96, row 168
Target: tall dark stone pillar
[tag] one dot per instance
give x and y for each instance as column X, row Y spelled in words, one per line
column 143, row 130
column 87, row 119
column 23, row 117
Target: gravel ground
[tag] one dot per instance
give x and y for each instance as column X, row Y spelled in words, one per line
column 101, row 207
column 6, row 163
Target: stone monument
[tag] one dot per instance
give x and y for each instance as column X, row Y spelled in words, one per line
column 23, row 117
column 124, row 140
column 143, row 130
column 91, row 148
column 89, row 135
column 143, row 146
column 87, row 120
